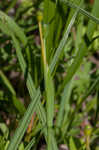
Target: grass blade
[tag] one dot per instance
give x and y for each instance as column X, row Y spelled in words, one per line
column 92, row 25
column 75, row 65
column 49, row 13
column 50, row 99
column 24, row 123
column 82, row 11
column 72, row 144
column 31, row 143
column 17, row 103
column 62, row 44
column 13, row 27
column 49, row 107
column 91, row 89
column 7, row 83
column 64, row 105
column 77, row 2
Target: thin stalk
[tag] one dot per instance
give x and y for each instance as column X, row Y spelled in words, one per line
column 42, row 43
column 45, row 67
column 49, row 91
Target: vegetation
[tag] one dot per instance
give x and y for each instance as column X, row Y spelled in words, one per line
column 49, row 75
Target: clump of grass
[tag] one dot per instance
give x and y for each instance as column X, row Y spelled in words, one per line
column 58, row 102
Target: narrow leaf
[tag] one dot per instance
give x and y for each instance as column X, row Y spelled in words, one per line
column 62, row 44
column 64, row 104
column 31, row 143
column 75, row 65
column 6, row 20
column 72, row 144
column 82, row 11
column 7, row 83
column 50, row 99
column 24, row 123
